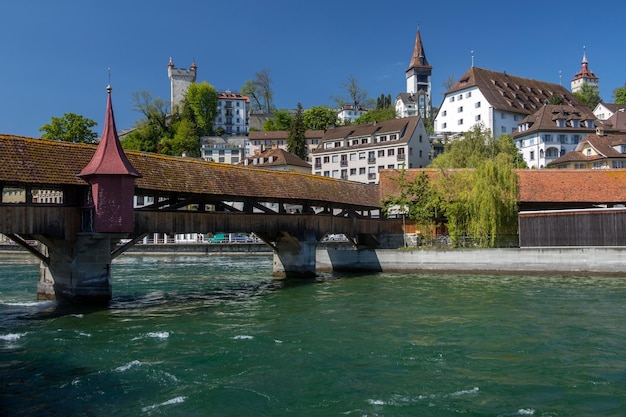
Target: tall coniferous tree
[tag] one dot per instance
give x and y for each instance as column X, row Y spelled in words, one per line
column 296, row 141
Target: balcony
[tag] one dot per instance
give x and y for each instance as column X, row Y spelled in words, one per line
column 400, row 157
column 371, row 160
column 371, row 176
column 343, row 163
column 318, row 165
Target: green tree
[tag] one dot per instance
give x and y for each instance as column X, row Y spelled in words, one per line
column 154, row 127
column 70, row 128
column 319, row 118
column 619, row 95
column 185, row 140
column 474, row 189
column 376, row 115
column 383, row 101
column 281, row 120
column 296, row 140
column 201, row 102
column 260, row 91
column 589, row 95
column 416, row 200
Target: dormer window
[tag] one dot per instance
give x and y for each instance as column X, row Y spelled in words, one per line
column 560, row 122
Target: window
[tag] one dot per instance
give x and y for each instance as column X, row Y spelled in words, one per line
column 460, row 109
column 502, row 129
column 451, row 99
column 420, row 153
column 460, row 97
column 352, row 171
column 361, row 155
column 532, row 155
column 421, row 140
column 353, row 156
column 477, row 104
column 619, row 164
column 503, row 115
column 363, row 141
column 391, row 152
column 335, row 159
column 381, row 153
column 477, row 118
column 393, row 137
column 444, row 113
column 460, row 121
column 468, row 94
column 444, row 125
column 362, row 171
column 588, row 152
column 326, row 159
column 547, row 138
column 392, row 166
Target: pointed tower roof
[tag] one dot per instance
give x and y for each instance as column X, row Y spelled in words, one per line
column 584, row 68
column 418, row 60
column 109, row 158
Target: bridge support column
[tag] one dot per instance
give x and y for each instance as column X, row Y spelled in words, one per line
column 77, row 270
column 294, row 257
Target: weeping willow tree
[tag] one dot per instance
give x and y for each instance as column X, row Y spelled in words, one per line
column 478, row 187
column 474, row 188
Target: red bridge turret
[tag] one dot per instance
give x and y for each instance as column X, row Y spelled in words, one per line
column 112, row 179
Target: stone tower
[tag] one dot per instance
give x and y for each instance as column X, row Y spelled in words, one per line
column 418, row 76
column 584, row 76
column 180, row 80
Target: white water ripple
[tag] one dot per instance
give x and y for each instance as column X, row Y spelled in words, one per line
column 176, row 400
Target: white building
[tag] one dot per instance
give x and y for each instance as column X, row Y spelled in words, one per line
column 551, row 132
column 359, row 152
column 224, row 149
column 604, row 111
column 417, row 101
column 349, row 113
column 496, row 99
column 232, row 113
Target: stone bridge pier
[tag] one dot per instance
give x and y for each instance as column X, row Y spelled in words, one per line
column 77, row 270
column 294, row 254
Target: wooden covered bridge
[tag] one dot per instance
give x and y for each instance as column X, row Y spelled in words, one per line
column 80, row 200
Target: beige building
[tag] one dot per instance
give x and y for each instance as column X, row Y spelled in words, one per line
column 359, row 152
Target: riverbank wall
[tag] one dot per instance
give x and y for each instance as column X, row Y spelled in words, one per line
column 342, row 257
column 567, row 260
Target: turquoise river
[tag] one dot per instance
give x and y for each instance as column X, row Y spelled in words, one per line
column 217, row 336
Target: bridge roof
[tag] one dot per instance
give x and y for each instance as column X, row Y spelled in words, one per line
column 47, row 163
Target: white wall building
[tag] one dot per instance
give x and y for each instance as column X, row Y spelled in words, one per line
column 551, row 132
column 497, row 100
column 359, row 152
column 349, row 113
column 232, row 113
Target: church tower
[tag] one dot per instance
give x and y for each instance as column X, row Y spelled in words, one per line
column 418, row 76
column 180, row 80
column 585, row 76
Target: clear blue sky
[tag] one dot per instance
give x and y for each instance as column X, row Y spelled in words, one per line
column 56, row 54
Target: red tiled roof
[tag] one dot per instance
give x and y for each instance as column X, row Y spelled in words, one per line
column 512, row 93
column 109, row 158
column 275, row 157
column 41, row 162
column 545, row 185
column 545, row 119
column 405, row 126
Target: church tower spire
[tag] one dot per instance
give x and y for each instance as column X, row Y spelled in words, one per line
column 418, row 76
column 584, row 76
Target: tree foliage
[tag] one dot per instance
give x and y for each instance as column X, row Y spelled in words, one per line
column 281, row 120
column 201, row 102
column 417, row 200
column 260, row 91
column 383, row 101
column 589, row 95
column 376, row 115
column 619, row 95
column 319, row 118
column 296, row 140
column 474, row 189
column 70, row 128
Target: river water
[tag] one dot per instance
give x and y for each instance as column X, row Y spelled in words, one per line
column 217, row 336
